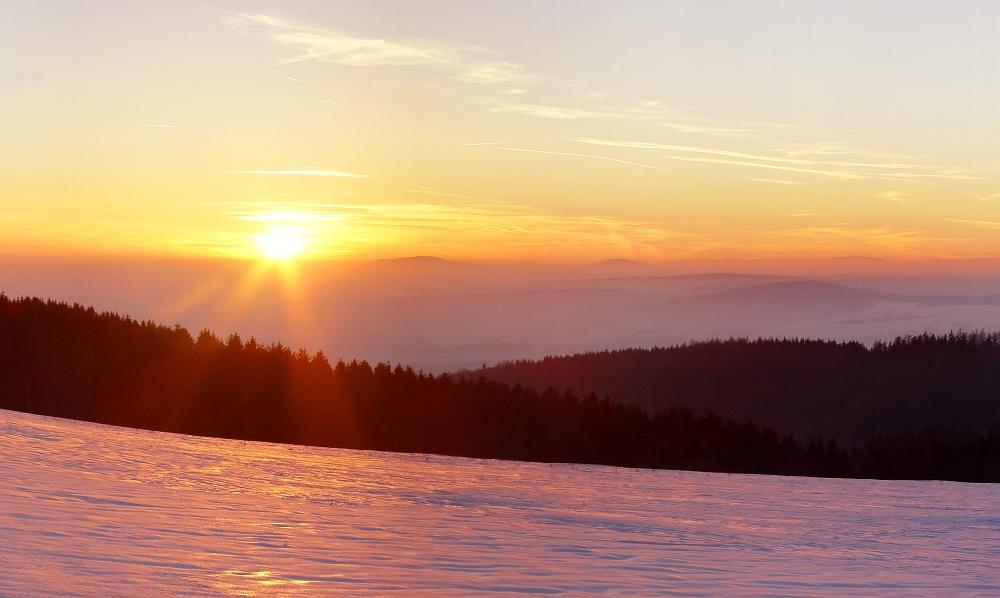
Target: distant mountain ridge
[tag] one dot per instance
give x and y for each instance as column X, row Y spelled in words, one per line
column 417, row 260
column 785, row 295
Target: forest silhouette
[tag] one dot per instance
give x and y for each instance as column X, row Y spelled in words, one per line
column 72, row 361
column 808, row 388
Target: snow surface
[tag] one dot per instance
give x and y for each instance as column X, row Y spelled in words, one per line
column 95, row 510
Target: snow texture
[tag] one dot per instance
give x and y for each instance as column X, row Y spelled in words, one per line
column 95, row 510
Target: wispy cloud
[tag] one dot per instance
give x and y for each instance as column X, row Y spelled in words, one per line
column 285, row 215
column 330, row 173
column 469, row 229
column 314, row 43
column 705, row 129
column 552, row 112
column 847, row 169
column 572, row 155
column 432, row 192
column 473, row 64
column 707, row 160
column 651, row 111
column 296, row 79
column 296, row 211
column 490, row 72
column 836, row 238
column 990, row 197
column 951, row 174
column 156, row 125
column 893, row 195
column 733, row 154
column 681, row 120
column 775, row 181
column 479, row 143
column 808, row 212
column 987, row 224
column 825, row 149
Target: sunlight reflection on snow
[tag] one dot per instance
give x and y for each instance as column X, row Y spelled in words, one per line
column 96, row 510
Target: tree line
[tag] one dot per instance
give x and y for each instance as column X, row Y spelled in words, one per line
column 72, row 361
column 808, row 388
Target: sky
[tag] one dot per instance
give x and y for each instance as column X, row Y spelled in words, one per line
column 501, row 131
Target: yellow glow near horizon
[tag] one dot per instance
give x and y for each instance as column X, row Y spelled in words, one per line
column 394, row 133
column 281, row 242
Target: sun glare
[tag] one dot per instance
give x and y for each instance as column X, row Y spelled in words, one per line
column 281, row 243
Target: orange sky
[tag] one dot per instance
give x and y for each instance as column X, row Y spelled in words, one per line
column 498, row 131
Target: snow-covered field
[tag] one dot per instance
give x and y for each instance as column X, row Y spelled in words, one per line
column 100, row 511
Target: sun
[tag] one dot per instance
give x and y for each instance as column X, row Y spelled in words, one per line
column 281, row 242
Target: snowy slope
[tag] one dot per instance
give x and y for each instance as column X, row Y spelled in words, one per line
column 95, row 510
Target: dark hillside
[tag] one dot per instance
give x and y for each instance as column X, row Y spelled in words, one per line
column 807, row 388
column 71, row 361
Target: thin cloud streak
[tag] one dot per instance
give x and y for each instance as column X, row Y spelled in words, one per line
column 741, row 155
column 841, row 169
column 248, row 208
column 832, row 173
column 474, row 65
column 775, row 181
column 987, row 224
column 649, row 111
column 835, row 238
column 590, row 156
column 522, row 230
column 893, row 195
column 842, row 149
column 432, row 192
column 552, row 112
column 288, row 216
column 327, row 173
column 645, row 112
column 707, row 130
column 490, row 73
